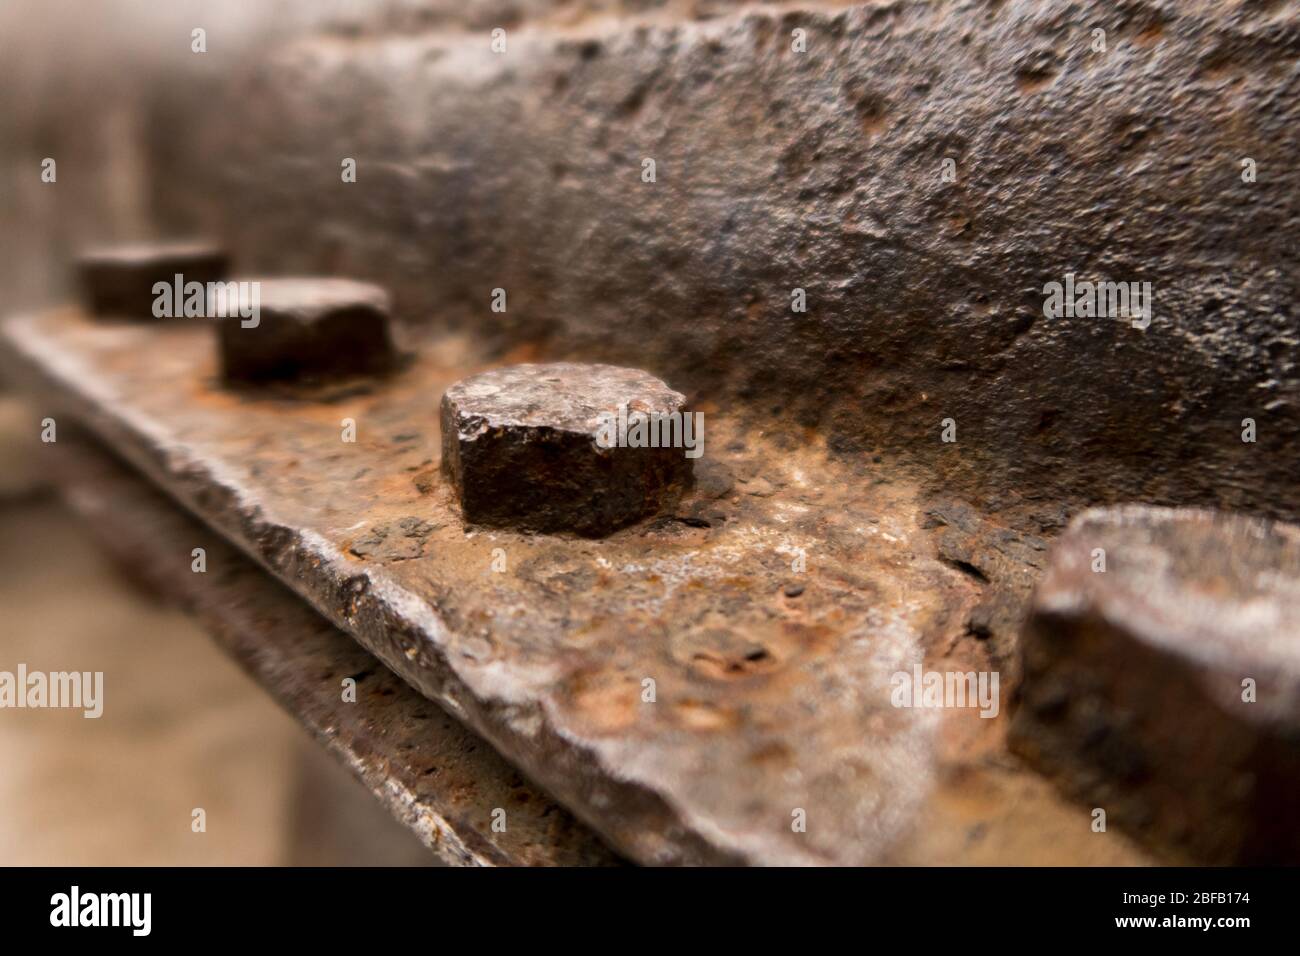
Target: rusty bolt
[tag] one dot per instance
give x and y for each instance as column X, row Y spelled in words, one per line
column 523, row 447
column 119, row 281
column 306, row 329
column 1162, row 678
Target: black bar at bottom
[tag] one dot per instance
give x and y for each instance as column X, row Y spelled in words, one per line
column 413, row 907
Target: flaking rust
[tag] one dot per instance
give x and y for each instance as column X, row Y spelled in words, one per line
column 712, row 684
column 433, row 775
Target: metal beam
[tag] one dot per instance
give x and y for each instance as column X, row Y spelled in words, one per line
column 711, row 686
column 433, row 775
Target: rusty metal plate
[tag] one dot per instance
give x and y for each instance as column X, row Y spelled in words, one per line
column 434, row 776
column 771, row 686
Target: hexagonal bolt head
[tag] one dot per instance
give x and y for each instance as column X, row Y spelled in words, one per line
column 1133, row 693
column 315, row 329
column 118, row 281
column 523, row 448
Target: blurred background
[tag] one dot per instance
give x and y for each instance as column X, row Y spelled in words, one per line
column 185, row 728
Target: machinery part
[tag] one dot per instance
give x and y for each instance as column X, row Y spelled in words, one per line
column 659, row 682
column 1162, row 678
column 119, row 281
column 319, row 329
column 566, row 447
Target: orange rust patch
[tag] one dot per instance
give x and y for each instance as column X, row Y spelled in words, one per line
column 699, row 715
column 606, row 701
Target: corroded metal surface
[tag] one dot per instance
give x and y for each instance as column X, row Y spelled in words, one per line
column 118, row 281
column 1162, row 678
column 919, row 170
column 689, row 686
column 821, row 170
column 433, row 775
column 546, row 447
column 825, row 171
column 323, row 328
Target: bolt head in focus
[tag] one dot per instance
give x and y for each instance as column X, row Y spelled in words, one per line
column 520, row 446
column 118, row 281
column 307, row 328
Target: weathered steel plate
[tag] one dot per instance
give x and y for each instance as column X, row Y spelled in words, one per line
column 432, row 774
column 771, row 705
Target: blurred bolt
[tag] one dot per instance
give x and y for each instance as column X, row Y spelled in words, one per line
column 522, row 447
column 1166, row 687
column 119, row 281
column 306, row 329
